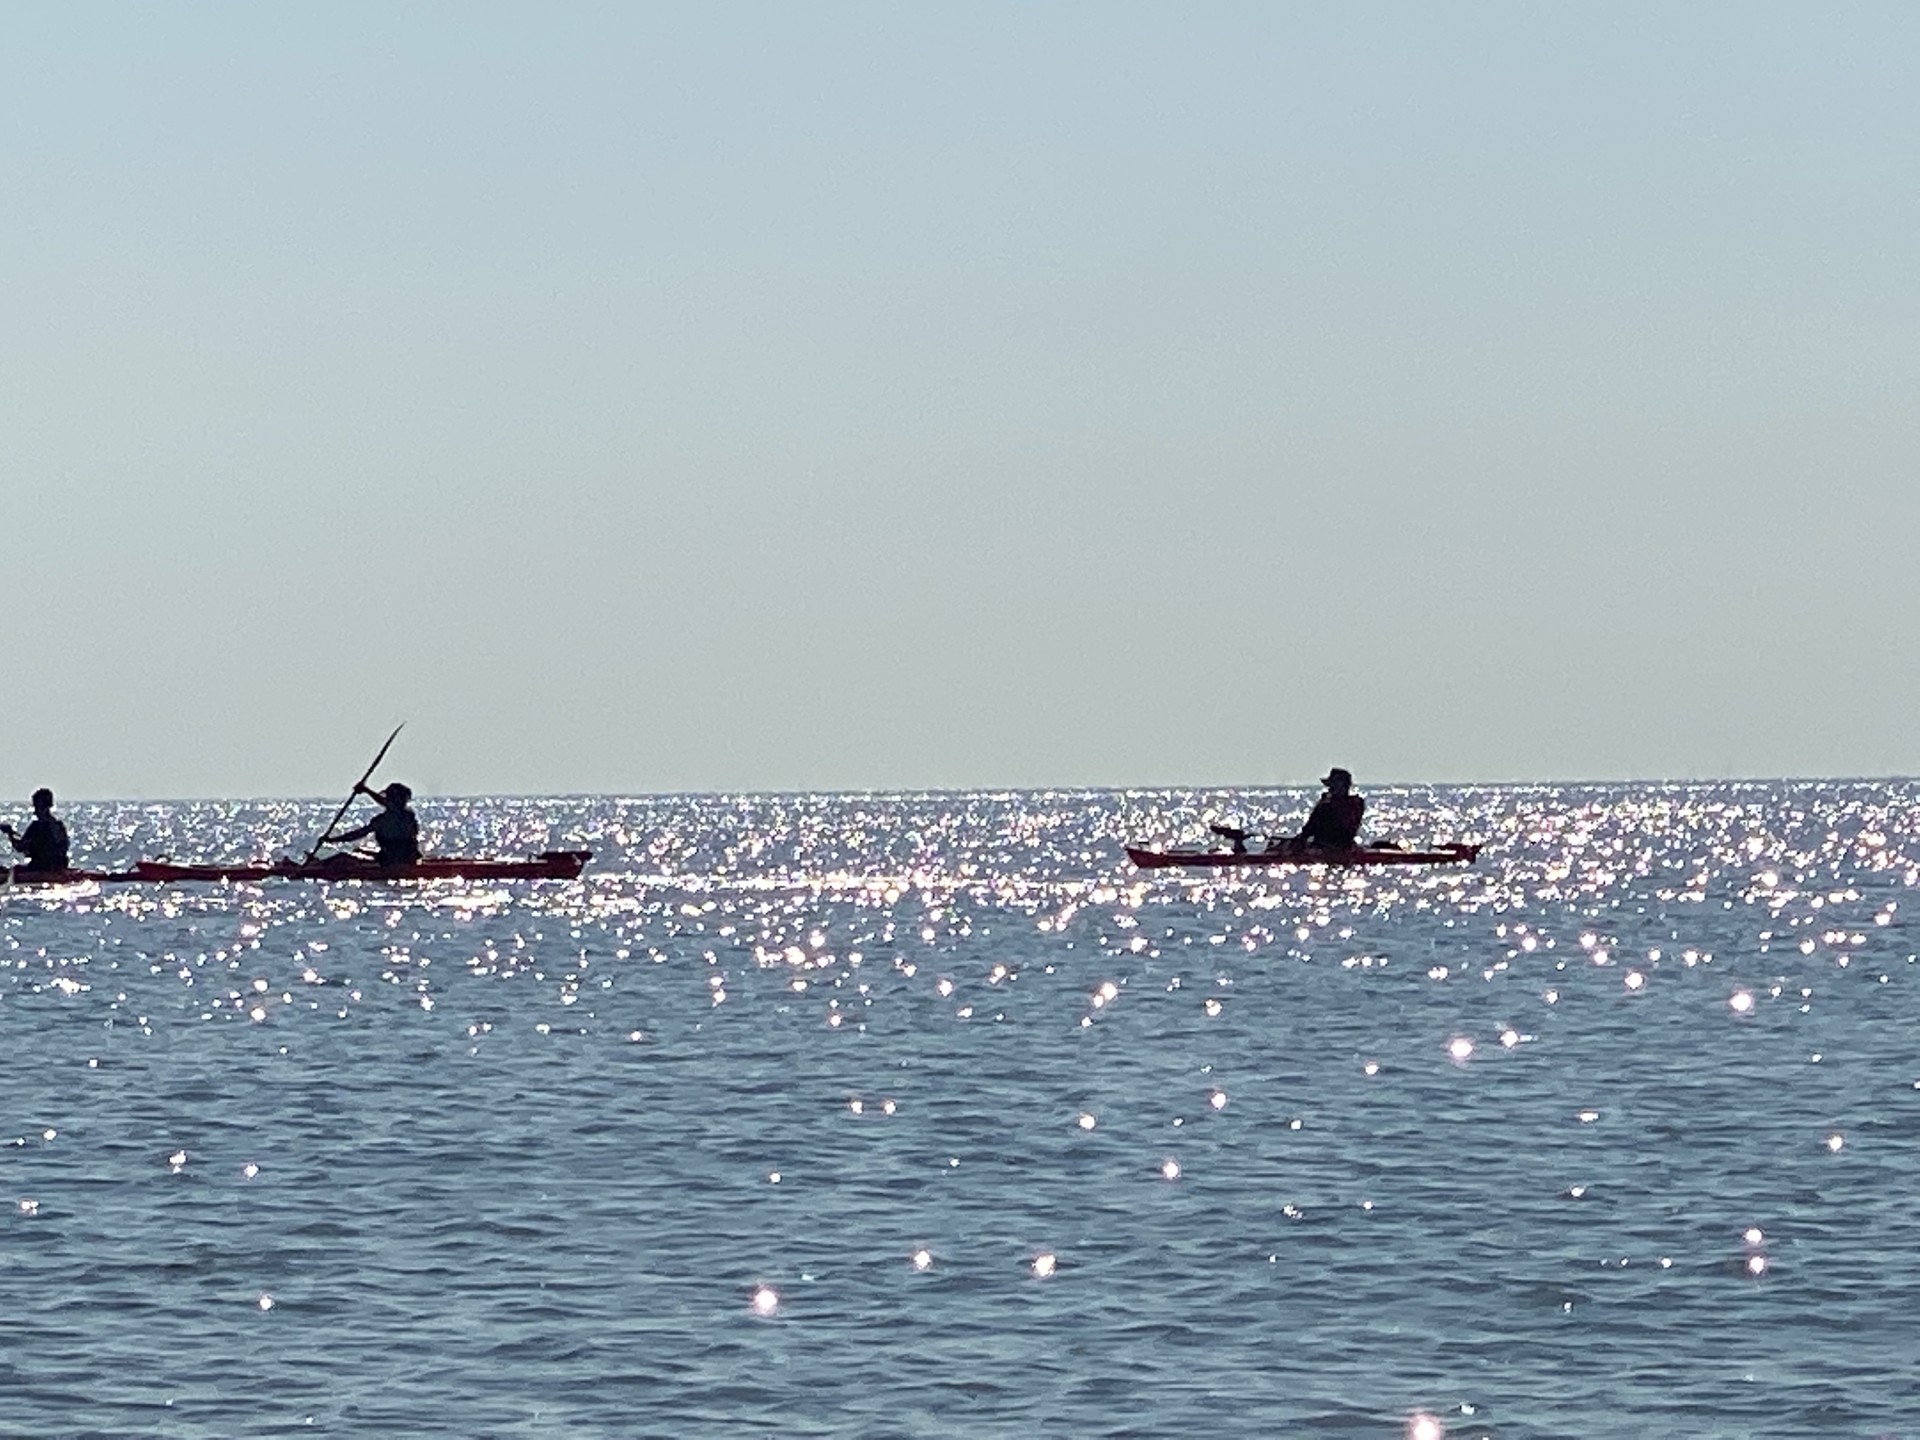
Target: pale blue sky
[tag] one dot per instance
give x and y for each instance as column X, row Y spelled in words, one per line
column 785, row 396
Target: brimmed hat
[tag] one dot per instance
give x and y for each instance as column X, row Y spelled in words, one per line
column 1338, row 775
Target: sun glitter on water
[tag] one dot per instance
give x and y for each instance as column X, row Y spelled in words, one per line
column 978, row 1127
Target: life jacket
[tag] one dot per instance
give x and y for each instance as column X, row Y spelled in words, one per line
column 1335, row 820
column 45, row 843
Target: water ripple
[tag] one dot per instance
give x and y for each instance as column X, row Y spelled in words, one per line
column 925, row 1114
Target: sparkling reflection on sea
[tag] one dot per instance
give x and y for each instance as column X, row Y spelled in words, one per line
column 928, row 1115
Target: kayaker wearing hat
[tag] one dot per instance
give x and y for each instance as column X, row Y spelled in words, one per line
column 1335, row 821
column 395, row 830
column 45, row 843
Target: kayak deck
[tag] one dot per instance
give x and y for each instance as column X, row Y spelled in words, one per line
column 1303, row 855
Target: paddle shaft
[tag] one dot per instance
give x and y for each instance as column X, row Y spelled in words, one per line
column 347, row 804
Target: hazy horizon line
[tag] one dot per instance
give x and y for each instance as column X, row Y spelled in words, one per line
column 908, row 791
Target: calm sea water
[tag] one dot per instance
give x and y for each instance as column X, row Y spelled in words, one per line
column 927, row 1115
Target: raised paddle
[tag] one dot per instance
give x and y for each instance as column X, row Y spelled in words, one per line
column 347, row 804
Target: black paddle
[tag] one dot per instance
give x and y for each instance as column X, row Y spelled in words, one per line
column 327, row 834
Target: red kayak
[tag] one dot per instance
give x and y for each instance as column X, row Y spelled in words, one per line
column 1303, row 855
column 548, row 865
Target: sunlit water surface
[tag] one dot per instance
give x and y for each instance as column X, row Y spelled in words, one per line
column 928, row 1115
